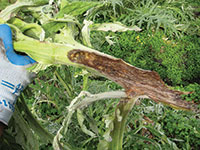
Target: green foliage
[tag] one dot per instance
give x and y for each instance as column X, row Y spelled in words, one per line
column 182, row 127
column 191, row 57
column 175, row 17
column 149, row 14
column 8, row 142
column 107, row 11
column 194, row 96
column 5, row 3
column 47, row 104
column 24, row 131
column 153, row 126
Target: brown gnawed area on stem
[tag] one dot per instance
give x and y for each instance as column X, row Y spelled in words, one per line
column 134, row 80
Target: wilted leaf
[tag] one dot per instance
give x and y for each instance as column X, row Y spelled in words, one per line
column 25, row 136
column 81, row 119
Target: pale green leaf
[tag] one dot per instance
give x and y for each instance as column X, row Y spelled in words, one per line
column 119, row 117
column 81, row 119
column 114, row 27
column 76, row 8
column 11, row 10
column 86, row 33
column 30, row 29
column 103, row 145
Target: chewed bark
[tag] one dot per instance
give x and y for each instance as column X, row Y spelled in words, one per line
column 134, row 80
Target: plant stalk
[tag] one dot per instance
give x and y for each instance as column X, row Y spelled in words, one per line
column 135, row 81
column 121, row 115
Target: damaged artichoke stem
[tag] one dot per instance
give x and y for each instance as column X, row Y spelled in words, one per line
column 135, row 81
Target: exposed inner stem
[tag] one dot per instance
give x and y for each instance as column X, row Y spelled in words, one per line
column 134, row 80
